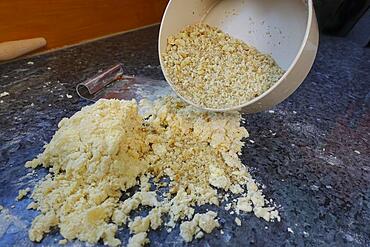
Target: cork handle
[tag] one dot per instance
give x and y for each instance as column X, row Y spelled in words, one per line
column 13, row 49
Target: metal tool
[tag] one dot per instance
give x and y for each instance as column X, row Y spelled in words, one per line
column 113, row 84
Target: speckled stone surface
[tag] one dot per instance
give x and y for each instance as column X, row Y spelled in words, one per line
column 311, row 152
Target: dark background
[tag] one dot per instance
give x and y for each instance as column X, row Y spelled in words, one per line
column 337, row 17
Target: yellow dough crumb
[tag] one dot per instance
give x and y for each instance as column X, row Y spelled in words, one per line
column 201, row 222
column 63, row 242
column 138, row 240
column 111, row 146
column 22, row 194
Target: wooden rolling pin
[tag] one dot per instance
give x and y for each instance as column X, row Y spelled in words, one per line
column 13, row 49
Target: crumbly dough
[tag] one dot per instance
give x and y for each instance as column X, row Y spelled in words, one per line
column 214, row 70
column 22, row 193
column 238, row 222
column 3, row 94
column 199, row 224
column 94, row 156
column 63, row 241
column 109, row 147
column 138, row 240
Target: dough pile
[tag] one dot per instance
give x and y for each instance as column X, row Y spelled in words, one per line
column 216, row 71
column 178, row 156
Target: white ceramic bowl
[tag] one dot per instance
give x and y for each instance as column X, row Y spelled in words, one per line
column 286, row 29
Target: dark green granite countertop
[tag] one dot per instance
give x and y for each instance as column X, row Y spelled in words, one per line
column 311, row 152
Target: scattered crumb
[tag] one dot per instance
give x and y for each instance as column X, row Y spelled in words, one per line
column 22, row 194
column 49, row 68
column 30, row 63
column 222, row 232
column 238, row 222
column 206, row 222
column 271, row 111
column 251, row 141
column 69, row 96
column 199, row 235
column 290, row 230
column 3, row 94
column 12, row 206
column 1, row 101
column 314, row 187
column 357, row 152
column 244, row 204
column 138, row 240
column 63, row 242
column 32, row 205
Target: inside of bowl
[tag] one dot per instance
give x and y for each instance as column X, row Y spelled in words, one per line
column 275, row 27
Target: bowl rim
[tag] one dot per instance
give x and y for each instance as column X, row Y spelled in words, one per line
column 309, row 24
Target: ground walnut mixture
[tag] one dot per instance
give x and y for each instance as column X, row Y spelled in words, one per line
column 111, row 146
column 216, row 71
